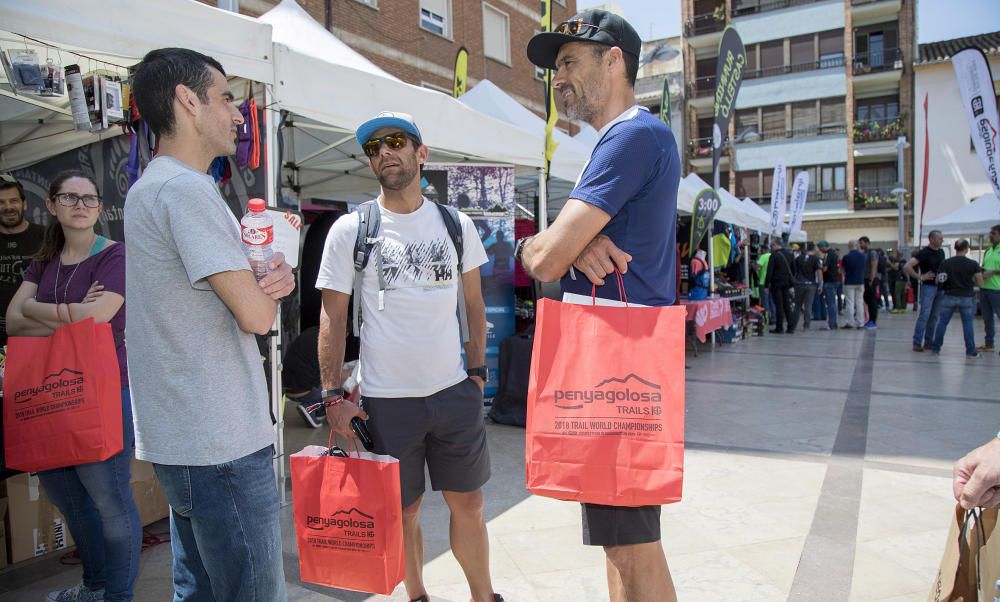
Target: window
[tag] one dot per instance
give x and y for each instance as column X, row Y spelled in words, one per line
column 496, row 34
column 834, row 178
column 435, row 16
column 875, row 45
column 751, row 57
column 705, row 127
column 877, row 178
column 371, row 3
column 805, row 118
column 832, row 117
column 883, row 109
column 831, row 49
column 747, row 120
column 803, row 50
column 748, row 184
column 772, row 55
column 773, row 121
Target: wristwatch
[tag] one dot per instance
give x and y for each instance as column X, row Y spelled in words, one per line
column 519, row 248
column 331, row 393
column 482, row 372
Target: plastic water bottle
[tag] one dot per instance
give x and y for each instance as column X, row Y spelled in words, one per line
column 258, row 235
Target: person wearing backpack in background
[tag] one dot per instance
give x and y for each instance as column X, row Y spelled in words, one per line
column 423, row 407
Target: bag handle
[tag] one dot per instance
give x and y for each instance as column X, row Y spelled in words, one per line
column 329, row 441
column 622, row 295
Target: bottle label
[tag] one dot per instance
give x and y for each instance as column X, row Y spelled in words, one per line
column 258, row 236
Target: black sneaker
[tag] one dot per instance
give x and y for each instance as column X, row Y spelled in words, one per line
column 974, row 355
column 314, row 417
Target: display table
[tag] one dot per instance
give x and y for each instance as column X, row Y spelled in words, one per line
column 708, row 315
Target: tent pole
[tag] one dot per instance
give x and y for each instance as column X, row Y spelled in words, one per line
column 272, row 177
column 543, row 204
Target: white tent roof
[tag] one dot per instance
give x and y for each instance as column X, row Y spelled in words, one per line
column 975, row 218
column 570, row 156
column 731, row 211
column 336, row 89
column 35, row 128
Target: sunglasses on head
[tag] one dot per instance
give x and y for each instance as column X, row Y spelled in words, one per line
column 573, row 28
column 8, row 178
column 395, row 140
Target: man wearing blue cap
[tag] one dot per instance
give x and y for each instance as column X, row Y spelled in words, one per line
column 422, row 405
column 621, row 215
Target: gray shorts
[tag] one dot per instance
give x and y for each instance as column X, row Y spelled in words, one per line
column 445, row 431
column 620, row 525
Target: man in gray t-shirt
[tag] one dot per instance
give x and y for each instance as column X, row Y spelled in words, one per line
column 199, row 395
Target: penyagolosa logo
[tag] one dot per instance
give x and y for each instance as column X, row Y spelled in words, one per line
column 55, row 386
column 631, row 389
column 353, row 522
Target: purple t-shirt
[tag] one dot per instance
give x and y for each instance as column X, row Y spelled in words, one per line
column 106, row 267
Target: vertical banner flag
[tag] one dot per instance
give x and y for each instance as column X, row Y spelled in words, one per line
column 665, row 102
column 461, row 79
column 800, row 189
column 728, row 77
column 706, row 205
column 976, row 84
column 551, row 114
column 778, row 197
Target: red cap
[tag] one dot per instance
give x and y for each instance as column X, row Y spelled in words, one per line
column 256, row 205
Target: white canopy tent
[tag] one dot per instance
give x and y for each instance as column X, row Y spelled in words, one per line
column 330, row 89
column 35, row 128
column 731, row 210
column 570, row 155
column 976, row 218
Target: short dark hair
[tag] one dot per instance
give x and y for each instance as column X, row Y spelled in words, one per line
column 810, row 246
column 9, row 181
column 156, row 79
column 961, row 245
column 932, row 233
column 865, row 240
column 631, row 61
column 995, row 228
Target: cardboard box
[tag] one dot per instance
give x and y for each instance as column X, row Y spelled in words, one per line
column 3, row 533
column 36, row 527
column 148, row 494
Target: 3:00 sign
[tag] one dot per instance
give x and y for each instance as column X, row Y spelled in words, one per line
column 708, row 204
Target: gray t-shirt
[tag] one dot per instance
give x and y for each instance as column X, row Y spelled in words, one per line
column 199, row 396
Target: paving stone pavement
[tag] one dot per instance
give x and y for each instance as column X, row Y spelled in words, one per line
column 817, row 469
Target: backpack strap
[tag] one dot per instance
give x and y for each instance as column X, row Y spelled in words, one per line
column 454, row 227
column 369, row 221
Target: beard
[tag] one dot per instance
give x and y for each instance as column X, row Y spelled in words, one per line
column 12, row 219
column 580, row 107
column 399, row 179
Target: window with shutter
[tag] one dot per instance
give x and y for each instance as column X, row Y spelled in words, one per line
column 496, row 34
column 832, row 118
column 831, row 49
column 747, row 120
column 805, row 118
column 772, row 56
column 748, row 184
column 803, row 52
column 773, row 121
column 435, row 16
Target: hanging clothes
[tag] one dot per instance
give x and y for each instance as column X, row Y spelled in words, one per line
column 721, row 249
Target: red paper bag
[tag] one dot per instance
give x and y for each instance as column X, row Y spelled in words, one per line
column 62, row 398
column 348, row 520
column 606, row 404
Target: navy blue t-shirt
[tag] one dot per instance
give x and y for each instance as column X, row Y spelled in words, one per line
column 633, row 175
column 854, row 268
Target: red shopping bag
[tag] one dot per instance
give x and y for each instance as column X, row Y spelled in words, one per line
column 62, row 398
column 348, row 520
column 606, row 404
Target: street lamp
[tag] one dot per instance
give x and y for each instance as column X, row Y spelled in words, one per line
column 900, row 191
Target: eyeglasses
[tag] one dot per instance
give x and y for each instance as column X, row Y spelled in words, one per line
column 573, row 28
column 395, row 140
column 69, row 199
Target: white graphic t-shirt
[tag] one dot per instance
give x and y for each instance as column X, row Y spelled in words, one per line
column 412, row 348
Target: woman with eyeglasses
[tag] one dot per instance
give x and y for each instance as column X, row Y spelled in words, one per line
column 78, row 274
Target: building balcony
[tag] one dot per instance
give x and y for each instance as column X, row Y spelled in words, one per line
column 890, row 59
column 742, row 8
column 880, row 130
column 836, row 62
column 783, row 134
column 708, row 23
column 873, row 199
column 793, row 87
column 701, row 92
column 829, row 200
column 700, row 148
column 809, row 146
column 869, row 12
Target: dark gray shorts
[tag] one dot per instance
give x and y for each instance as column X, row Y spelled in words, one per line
column 445, row 431
column 620, row 525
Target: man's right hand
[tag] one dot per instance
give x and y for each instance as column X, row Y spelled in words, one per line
column 339, row 417
column 600, row 258
column 929, row 276
column 976, row 480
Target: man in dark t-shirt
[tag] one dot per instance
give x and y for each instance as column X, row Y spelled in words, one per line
column 19, row 241
column 958, row 278
column 620, row 215
column 924, row 268
column 806, row 280
column 779, row 280
column 831, row 282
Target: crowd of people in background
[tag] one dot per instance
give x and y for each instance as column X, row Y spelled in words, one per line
column 799, row 285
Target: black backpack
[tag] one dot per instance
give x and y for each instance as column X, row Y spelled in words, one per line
column 370, row 221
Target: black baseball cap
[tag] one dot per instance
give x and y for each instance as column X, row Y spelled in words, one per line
column 598, row 26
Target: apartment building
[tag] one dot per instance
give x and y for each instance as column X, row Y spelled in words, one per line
column 827, row 88
column 417, row 40
column 659, row 60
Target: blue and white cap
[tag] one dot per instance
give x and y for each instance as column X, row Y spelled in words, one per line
column 388, row 119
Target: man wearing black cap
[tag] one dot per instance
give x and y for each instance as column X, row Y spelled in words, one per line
column 621, row 215
column 423, row 406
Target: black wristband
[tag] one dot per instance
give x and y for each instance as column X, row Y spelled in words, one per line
column 330, row 393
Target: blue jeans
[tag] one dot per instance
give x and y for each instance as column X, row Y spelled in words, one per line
column 96, row 500
column 225, row 530
column 767, row 302
column 818, row 305
column 989, row 302
column 830, row 292
column 966, row 306
column 923, row 331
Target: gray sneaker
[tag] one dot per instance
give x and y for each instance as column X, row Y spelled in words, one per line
column 78, row 593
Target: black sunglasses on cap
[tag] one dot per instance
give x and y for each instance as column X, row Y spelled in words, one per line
column 573, row 28
column 395, row 140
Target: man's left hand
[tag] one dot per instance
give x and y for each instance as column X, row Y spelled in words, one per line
column 600, row 258
column 281, row 281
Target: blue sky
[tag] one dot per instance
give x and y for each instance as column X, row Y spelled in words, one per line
column 936, row 19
